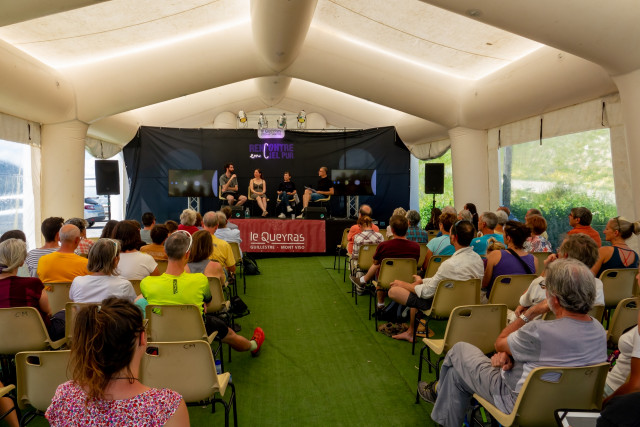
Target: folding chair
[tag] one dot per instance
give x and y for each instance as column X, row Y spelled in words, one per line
column 5, row 392
column 618, row 284
column 431, row 234
column 508, row 289
column 39, row 375
column 235, row 247
column 434, row 264
column 252, row 202
column 365, row 261
column 136, row 286
column 478, row 325
column 58, row 295
column 162, row 266
column 392, row 269
column 293, row 202
column 70, row 311
column 223, row 200
column 423, row 254
column 541, row 257
column 449, row 295
column 188, row 368
column 625, row 316
column 547, row 389
column 341, row 248
column 218, row 304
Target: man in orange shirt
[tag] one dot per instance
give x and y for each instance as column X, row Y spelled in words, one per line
column 63, row 265
column 580, row 220
column 365, row 210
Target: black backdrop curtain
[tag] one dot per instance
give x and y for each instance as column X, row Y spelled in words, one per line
column 149, row 156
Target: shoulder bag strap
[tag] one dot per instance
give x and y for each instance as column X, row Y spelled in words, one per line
column 524, row 264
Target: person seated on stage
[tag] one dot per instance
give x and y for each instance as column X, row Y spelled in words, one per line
column 398, row 247
column 26, row 291
column 502, row 220
column 225, row 233
column 178, row 287
column 580, row 219
column 199, row 261
column 103, row 282
column 487, row 223
column 226, row 210
column 618, row 255
column 171, row 226
column 537, row 242
column 222, row 251
column 85, row 244
column 441, row 245
column 188, row 219
column 464, row 264
column 109, row 341
column 365, row 210
column 159, row 234
column 133, row 265
column 286, row 190
column 50, row 229
column 322, row 190
column 148, row 221
column 573, row 339
column 63, row 265
column 229, row 186
column 258, row 192
column 415, row 233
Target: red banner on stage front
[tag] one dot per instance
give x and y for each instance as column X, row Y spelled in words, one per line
column 274, row 235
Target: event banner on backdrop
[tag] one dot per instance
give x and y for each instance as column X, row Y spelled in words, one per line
column 264, row 235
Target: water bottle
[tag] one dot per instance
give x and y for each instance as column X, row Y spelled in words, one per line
column 218, row 367
column 246, row 213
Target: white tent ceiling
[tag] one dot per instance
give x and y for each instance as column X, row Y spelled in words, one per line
column 122, row 63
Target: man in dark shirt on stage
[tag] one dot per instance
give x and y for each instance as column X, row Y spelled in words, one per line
column 229, row 186
column 322, row 190
column 286, row 189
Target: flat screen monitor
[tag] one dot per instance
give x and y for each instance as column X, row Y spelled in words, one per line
column 354, row 182
column 191, row 183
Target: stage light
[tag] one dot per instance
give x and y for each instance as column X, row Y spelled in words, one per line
column 242, row 118
column 263, row 122
column 282, row 121
column 302, row 119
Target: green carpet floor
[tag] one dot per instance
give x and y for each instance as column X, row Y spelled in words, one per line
column 322, row 363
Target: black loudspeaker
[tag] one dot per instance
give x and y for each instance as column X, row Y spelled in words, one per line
column 107, row 177
column 434, row 178
column 237, row 211
column 315, row 213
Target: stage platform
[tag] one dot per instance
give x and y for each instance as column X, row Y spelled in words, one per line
column 260, row 235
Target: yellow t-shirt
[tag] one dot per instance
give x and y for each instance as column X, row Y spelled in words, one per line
column 166, row 289
column 222, row 252
column 61, row 267
column 156, row 251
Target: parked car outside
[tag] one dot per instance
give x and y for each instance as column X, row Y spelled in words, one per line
column 93, row 211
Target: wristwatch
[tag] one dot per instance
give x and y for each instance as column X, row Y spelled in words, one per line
column 524, row 318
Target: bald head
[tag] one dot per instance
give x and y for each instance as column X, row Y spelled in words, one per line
column 365, row 210
column 69, row 238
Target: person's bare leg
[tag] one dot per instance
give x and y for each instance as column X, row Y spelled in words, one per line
column 5, row 406
column 371, row 273
column 262, row 202
column 401, row 295
column 230, row 199
column 237, row 342
column 241, row 200
column 305, row 198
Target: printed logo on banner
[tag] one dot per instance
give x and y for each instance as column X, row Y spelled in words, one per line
column 271, row 151
column 277, row 241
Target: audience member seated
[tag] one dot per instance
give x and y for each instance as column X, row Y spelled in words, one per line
column 624, row 377
column 580, row 219
column 398, row 247
column 502, row 220
column 464, row 264
column 226, row 210
column 199, row 261
column 487, row 224
column 513, row 260
column 148, row 221
column 178, row 287
column 531, row 212
column 107, row 231
column 159, row 234
column 536, row 242
column 474, row 214
column 572, row 339
column 85, row 244
column 63, row 265
column 171, row 225
column 414, row 233
column 465, row 215
column 25, row 291
column 133, row 265
column 103, row 282
column 50, row 228
column 225, row 233
column 441, row 245
column 508, row 211
column 367, row 236
column 434, row 218
column 576, row 246
column 222, row 251
column 396, row 211
column 618, row 255
column 365, row 210
column 198, row 223
column 188, row 221
column 109, row 343
column 13, row 234
column 6, row 405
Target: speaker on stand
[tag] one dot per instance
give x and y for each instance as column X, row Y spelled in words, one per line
column 107, row 180
column 434, row 179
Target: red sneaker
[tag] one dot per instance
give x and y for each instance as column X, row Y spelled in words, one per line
column 258, row 337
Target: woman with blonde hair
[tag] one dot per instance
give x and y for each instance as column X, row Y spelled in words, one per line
column 188, row 219
column 109, row 343
column 618, row 255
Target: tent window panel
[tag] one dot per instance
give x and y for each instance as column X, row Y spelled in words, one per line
column 14, row 164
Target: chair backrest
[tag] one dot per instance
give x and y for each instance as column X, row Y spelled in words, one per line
column 365, row 256
column 423, row 253
column 220, row 197
column 596, row 312
column 383, row 231
column 548, row 389
column 58, row 295
column 478, row 325
column 184, row 366
column 431, row 234
column 434, row 264
column 453, row 293
column 162, row 265
column 217, row 302
column 509, row 288
column 618, row 284
column 540, row 256
column 70, row 312
column 626, row 315
column 175, row 323
column 22, row 329
column 396, row 269
column 235, row 248
column 39, row 373
column 136, row 286
column 345, row 239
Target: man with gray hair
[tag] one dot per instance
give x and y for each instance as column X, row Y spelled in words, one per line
column 63, row 265
column 502, row 220
column 222, row 252
column 225, row 233
column 573, row 339
column 85, row 244
column 486, row 225
column 177, row 287
column 414, row 232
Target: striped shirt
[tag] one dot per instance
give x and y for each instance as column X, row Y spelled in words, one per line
column 34, row 256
